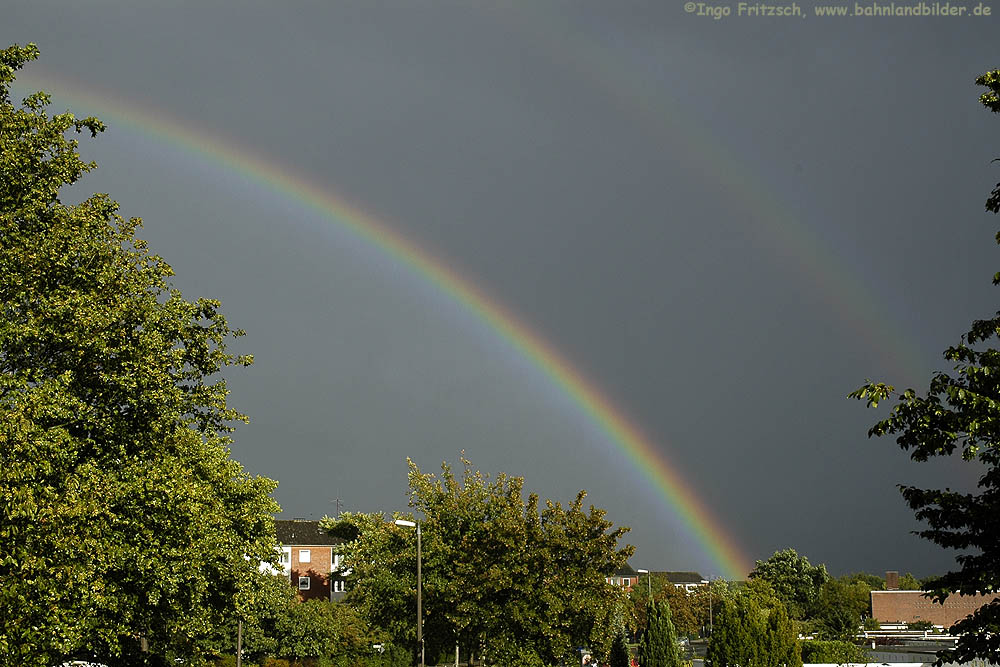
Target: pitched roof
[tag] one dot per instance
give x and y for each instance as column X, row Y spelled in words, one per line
column 300, row 531
column 682, row 577
column 625, row 571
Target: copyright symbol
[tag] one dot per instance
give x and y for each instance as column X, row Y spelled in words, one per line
column 689, row 7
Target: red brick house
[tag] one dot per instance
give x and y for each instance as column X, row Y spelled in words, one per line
column 309, row 560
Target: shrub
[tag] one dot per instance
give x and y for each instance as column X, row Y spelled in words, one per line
column 920, row 625
column 832, row 652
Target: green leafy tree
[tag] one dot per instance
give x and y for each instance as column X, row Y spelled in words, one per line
column 124, row 520
column 841, row 607
column 500, row 575
column 658, row 646
column 794, row 579
column 908, row 582
column 753, row 629
column 959, row 415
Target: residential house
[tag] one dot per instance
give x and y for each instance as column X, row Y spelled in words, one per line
column 688, row 581
column 308, row 558
column 624, row 577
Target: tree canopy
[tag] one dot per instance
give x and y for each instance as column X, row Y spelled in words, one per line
column 959, row 415
column 501, row 576
column 841, row 607
column 794, row 579
column 123, row 515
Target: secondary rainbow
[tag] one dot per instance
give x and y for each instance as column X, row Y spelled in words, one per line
column 648, row 461
column 619, row 74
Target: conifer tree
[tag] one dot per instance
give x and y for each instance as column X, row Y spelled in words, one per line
column 619, row 650
column 658, row 647
column 753, row 630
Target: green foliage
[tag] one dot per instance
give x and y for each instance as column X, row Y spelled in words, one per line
column 959, row 416
column 920, row 626
column 658, row 646
column 272, row 601
column 390, row 656
column 689, row 611
column 794, row 579
column 872, row 581
column 499, row 574
column 908, row 582
column 840, row 608
column 753, row 629
column 619, row 651
column 318, row 628
column 315, row 631
column 508, row 650
column 123, row 514
column 832, row 652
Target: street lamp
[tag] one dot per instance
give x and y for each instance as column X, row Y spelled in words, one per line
column 420, row 619
column 709, row 583
column 649, row 585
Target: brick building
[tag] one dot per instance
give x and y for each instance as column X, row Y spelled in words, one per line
column 307, row 558
column 910, row 606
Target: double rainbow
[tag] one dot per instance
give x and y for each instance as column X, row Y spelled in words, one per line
column 647, row 459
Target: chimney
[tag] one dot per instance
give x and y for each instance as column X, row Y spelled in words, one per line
column 892, row 580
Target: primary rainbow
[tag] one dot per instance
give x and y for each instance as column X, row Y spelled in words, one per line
column 648, row 461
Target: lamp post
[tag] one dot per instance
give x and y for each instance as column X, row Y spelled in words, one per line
column 709, row 583
column 420, row 618
column 649, row 585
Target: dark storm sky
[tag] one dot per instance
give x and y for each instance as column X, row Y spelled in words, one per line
column 727, row 225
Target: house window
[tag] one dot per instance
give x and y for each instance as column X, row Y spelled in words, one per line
column 285, row 557
column 336, row 561
column 303, row 583
column 304, row 555
column 339, row 585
